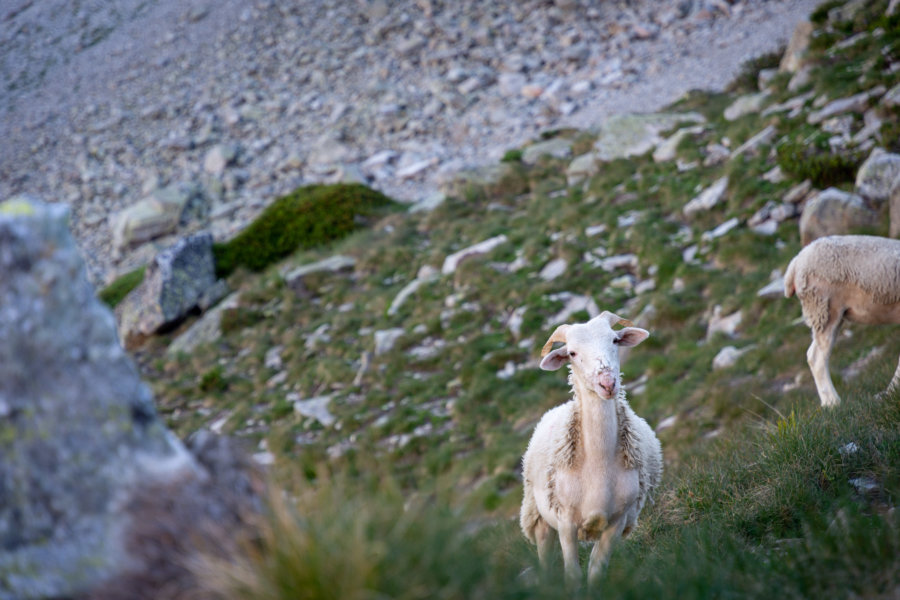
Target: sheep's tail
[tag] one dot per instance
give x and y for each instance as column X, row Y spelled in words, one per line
column 789, row 287
column 529, row 517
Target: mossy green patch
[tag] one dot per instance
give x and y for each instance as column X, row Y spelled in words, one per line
column 116, row 291
column 308, row 217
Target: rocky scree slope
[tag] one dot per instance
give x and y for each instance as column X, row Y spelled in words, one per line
column 219, row 107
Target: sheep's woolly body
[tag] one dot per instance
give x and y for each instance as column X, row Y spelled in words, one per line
column 846, row 277
column 638, row 448
column 872, row 263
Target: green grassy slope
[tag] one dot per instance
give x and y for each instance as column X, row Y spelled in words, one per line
column 413, row 491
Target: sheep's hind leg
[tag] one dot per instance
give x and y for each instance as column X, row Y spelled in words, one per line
column 894, row 385
column 601, row 550
column 544, row 538
column 818, row 356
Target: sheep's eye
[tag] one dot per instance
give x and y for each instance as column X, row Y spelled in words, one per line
column 572, row 354
column 617, row 341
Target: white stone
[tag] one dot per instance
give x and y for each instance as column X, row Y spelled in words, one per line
column 553, row 269
column 426, row 275
column 745, row 105
column 620, row 261
column 273, row 358
column 720, row 230
column 452, row 262
column 728, row 357
column 667, row 422
column 574, row 303
column 708, row 198
column 385, row 339
column 726, row 324
column 332, row 264
column 316, row 408
column 775, row 288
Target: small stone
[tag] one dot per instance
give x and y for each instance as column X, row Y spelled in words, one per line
column 316, row 408
column 556, row 147
column 720, row 230
column 273, row 358
column 745, row 105
column 728, row 356
column 386, row 339
column 725, row 324
column 553, row 269
column 708, row 198
column 452, row 261
column 218, row 158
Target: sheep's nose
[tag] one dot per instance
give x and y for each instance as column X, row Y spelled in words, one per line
column 607, row 382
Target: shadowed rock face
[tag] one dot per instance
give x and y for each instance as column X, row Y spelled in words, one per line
column 78, row 431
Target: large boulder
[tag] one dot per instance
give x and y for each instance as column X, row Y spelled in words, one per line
column 174, row 283
column 622, row 136
column 834, row 212
column 894, row 210
column 877, row 175
column 155, row 216
column 92, row 484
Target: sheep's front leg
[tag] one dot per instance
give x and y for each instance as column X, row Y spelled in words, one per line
column 817, row 356
column 600, row 552
column 568, row 541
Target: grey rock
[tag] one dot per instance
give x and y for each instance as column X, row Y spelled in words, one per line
column 891, row 98
column 428, row 203
column 745, row 105
column 666, row 150
column 173, row 285
column 332, row 264
column 553, row 269
column 856, row 103
column 622, row 136
column 877, row 175
column 894, row 209
column 316, row 408
column 219, row 157
column 583, row 167
column 152, row 217
column 385, row 339
column 80, row 431
column 206, row 330
column 834, row 212
column 728, row 357
column 452, row 262
column 723, row 324
column 556, row 147
column 773, row 289
column 752, row 145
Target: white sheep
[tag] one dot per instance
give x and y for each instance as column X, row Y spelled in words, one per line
column 591, row 463
column 852, row 277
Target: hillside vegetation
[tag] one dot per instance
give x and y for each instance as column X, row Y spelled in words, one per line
column 401, row 458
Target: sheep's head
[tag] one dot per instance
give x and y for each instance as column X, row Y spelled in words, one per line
column 592, row 351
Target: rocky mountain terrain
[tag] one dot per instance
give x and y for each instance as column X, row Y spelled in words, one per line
column 381, row 359
column 215, row 108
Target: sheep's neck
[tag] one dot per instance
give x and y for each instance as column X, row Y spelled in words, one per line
column 599, row 424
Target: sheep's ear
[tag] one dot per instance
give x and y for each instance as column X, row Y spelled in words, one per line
column 555, row 359
column 631, row 336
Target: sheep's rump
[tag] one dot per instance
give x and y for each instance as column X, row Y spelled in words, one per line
column 870, row 262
